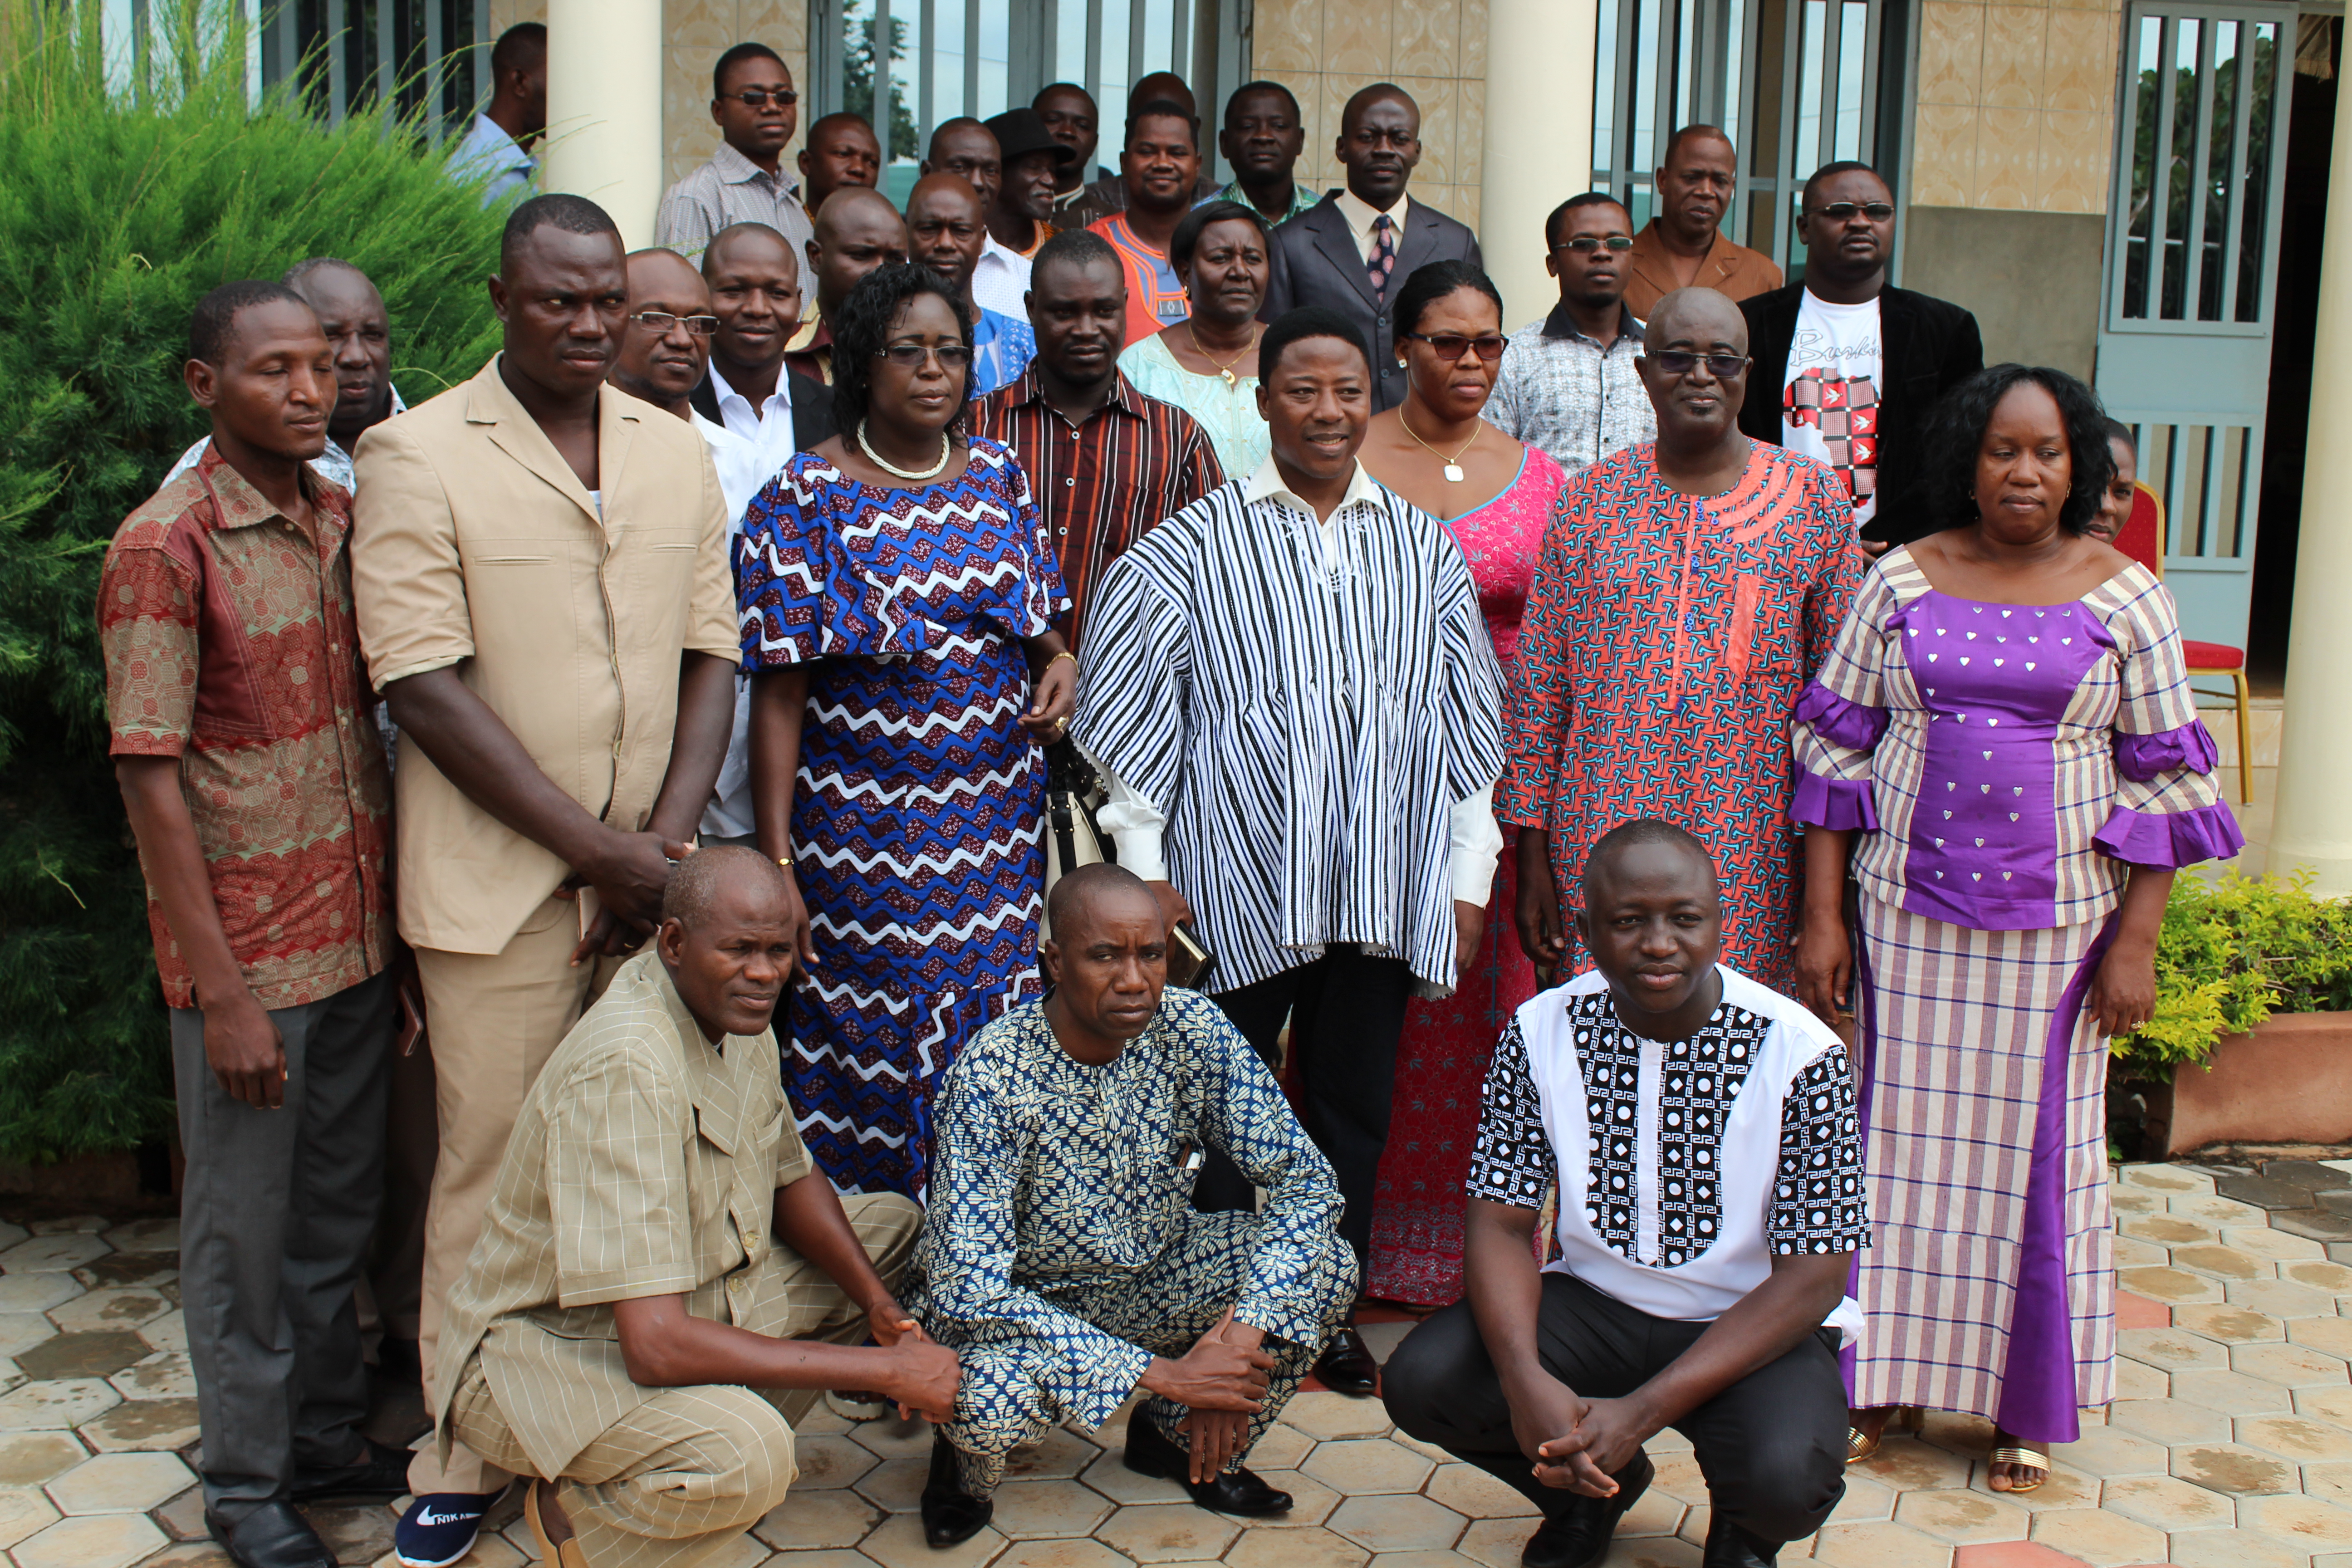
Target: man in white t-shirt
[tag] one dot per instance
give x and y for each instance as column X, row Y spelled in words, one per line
column 1703, row 1134
column 1855, row 364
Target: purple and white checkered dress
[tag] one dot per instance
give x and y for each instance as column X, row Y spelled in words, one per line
column 2006, row 765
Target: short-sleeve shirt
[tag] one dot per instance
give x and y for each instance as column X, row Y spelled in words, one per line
column 230, row 643
column 1684, row 1167
column 644, row 1162
column 1155, row 295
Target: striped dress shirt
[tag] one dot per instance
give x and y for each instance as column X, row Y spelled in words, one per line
column 1100, row 484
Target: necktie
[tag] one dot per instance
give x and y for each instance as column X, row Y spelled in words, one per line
column 1383, row 261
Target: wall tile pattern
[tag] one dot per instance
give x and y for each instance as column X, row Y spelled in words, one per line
column 2016, row 107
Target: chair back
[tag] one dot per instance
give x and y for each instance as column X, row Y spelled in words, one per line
column 2142, row 535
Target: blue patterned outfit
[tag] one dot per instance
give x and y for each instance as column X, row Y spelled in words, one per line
column 1002, row 348
column 1062, row 1252
column 915, row 814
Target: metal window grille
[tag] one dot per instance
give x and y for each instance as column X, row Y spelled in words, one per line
column 348, row 57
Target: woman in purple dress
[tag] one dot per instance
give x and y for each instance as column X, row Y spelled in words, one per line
column 2004, row 736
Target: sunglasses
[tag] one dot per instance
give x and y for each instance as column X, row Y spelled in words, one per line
column 1449, row 346
column 1682, row 362
column 760, row 98
column 1586, row 244
column 659, row 323
column 1840, row 211
column 910, row 356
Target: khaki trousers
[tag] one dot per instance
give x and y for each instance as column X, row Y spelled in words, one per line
column 492, row 1021
column 688, row 1471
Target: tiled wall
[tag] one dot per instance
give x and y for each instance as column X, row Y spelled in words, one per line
column 1324, row 50
column 2016, row 107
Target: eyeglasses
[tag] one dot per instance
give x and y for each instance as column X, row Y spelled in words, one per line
column 912, row 356
column 1586, row 244
column 659, row 323
column 760, row 98
column 1682, row 362
column 1449, row 346
column 1842, row 212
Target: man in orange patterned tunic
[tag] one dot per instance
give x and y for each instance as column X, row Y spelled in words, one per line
column 243, row 737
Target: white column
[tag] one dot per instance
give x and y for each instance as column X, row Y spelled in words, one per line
column 1539, row 139
column 604, row 108
column 2313, row 825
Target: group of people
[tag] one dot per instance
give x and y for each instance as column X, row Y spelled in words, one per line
column 1529, row 739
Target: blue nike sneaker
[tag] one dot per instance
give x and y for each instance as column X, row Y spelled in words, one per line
column 440, row 1529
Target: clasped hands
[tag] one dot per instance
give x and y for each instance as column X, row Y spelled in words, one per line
column 1222, row 1380
column 1577, row 1444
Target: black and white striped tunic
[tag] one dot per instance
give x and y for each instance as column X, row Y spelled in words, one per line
column 1306, row 723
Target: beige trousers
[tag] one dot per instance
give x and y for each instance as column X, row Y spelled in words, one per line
column 492, row 1021
column 688, row 1471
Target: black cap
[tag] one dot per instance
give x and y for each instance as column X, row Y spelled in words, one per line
column 1021, row 132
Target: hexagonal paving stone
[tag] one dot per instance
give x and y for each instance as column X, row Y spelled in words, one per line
column 1311, row 1501
column 101, row 1354
column 2062, row 1488
column 2131, row 1253
column 52, row 1254
column 899, row 1543
column 2279, row 1298
column 2173, row 1287
column 163, row 1374
column 37, row 1292
column 83, row 1224
column 2278, row 1245
column 2221, row 1262
column 2328, row 1404
column 1032, row 1510
column 1906, row 1464
column 2222, row 1212
column 2134, row 1200
column 142, row 1424
column 147, row 1270
column 2101, row 1539
column 2330, row 1277
column 1027, row 1554
column 1865, row 1499
column 1059, row 1455
column 2333, row 1482
column 2137, row 1380
column 20, row 1332
column 23, row 1512
column 891, row 1439
column 2290, row 1367
column 1678, row 1477
column 1323, row 1414
column 2234, row 1469
column 1655, row 1514
column 1880, row 1546
column 162, row 1233
column 204, row 1554
column 98, row 1541
column 894, row 1485
column 2332, row 1335
column 30, row 1459
column 2318, row 1525
column 1111, row 1477
column 182, row 1517
column 2169, row 1229
column 2233, row 1548
column 1960, row 1518
column 2297, row 1437
column 2167, row 1504
column 838, row 1518
column 2263, row 1192
column 109, row 1309
column 2164, row 1178
column 1398, row 1524
column 1160, row 1532
column 362, row 1532
column 1355, row 1466
column 1966, row 1436
column 1471, row 1491
column 120, row 1483
column 2105, row 1453
column 51, row 1407
column 2232, row 1393
column 1282, row 1447
column 2169, row 1421
column 2171, row 1350
column 2318, row 1224
column 828, row 1460
column 168, row 1332
column 1296, row 1549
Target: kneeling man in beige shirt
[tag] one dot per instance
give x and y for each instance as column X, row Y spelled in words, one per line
column 664, row 1282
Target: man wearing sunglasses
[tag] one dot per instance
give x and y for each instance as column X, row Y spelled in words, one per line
column 1847, row 366
column 756, row 110
column 1568, row 385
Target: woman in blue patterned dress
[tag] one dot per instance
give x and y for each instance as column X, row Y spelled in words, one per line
column 896, row 584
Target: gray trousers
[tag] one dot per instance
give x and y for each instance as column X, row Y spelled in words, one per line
column 275, row 1216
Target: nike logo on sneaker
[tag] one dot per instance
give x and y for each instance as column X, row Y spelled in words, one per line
column 426, row 1516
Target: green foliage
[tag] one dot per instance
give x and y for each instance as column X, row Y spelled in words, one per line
column 2232, row 953
column 120, row 210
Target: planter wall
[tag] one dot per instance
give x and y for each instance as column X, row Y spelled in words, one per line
column 2289, row 1081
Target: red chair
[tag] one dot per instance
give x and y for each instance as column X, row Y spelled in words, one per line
column 2142, row 539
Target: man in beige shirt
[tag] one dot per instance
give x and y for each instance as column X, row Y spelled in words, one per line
column 1684, row 247
column 544, row 596
column 664, row 1281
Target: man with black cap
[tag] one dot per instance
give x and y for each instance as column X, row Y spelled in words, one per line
column 1031, row 159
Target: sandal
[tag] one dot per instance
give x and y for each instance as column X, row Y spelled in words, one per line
column 1861, row 1444
column 2022, row 1457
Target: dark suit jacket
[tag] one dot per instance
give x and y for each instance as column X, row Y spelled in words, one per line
column 1316, row 262
column 1930, row 346
column 812, row 408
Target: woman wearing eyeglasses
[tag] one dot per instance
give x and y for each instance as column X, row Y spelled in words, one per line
column 896, row 585
column 1494, row 495
column 1207, row 364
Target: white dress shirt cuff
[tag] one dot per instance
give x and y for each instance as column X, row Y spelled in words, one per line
column 1135, row 824
column 1473, row 839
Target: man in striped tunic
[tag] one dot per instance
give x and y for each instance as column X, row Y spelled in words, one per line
column 1296, row 701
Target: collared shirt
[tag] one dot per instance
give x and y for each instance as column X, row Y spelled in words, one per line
column 489, row 150
column 1002, row 348
column 1559, row 390
column 810, row 348
column 1732, row 270
column 1054, row 1179
column 1359, row 215
column 1101, row 484
column 644, row 1162
column 230, row 643
column 334, row 465
column 731, row 189
column 1684, row 1167
column 1301, row 199
column 1155, row 295
column 999, row 282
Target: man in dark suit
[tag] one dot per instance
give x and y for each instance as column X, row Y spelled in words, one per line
column 1853, row 364
column 1352, row 251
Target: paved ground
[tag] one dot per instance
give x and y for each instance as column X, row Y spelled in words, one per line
column 2230, row 1445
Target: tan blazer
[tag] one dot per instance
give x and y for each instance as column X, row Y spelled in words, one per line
column 478, row 547
column 1729, row 270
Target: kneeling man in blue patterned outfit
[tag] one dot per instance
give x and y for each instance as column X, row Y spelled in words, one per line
column 1062, row 1259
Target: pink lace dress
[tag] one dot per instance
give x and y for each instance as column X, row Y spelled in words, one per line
column 1441, row 1061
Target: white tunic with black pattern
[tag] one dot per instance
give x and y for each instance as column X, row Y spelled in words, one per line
column 1683, row 1167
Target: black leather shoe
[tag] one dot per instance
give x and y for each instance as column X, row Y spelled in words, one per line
column 380, row 1471
column 1578, row 1536
column 272, row 1536
column 1346, row 1365
column 952, row 1515
column 1728, row 1546
column 1150, row 1453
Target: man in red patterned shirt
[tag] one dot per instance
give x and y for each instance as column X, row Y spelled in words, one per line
column 243, row 743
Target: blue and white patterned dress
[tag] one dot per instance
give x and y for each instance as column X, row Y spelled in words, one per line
column 916, row 814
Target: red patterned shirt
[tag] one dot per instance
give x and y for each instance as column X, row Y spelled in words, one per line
column 230, row 643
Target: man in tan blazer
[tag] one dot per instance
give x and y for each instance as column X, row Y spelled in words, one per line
column 1683, row 245
column 544, row 599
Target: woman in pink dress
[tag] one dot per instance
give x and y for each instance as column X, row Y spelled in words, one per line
column 1495, row 496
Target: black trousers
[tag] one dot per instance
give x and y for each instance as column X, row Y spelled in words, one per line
column 1345, row 1012
column 1773, row 1445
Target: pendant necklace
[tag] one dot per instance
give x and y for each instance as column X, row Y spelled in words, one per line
column 1224, row 370
column 947, row 450
column 1454, row 474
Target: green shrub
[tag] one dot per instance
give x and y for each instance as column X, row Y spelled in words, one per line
column 2232, row 953
column 118, row 212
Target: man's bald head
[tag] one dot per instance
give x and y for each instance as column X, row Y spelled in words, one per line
column 749, row 242
column 748, row 878
column 1697, row 318
column 857, row 231
column 1078, row 900
column 1650, row 834
column 852, row 206
column 656, row 270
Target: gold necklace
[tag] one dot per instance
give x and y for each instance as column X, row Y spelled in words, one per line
column 1225, row 369
column 1454, row 474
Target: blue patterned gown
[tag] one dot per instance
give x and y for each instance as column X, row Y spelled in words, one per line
column 916, row 814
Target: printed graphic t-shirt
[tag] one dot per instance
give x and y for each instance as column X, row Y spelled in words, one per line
column 1155, row 295
column 1828, row 407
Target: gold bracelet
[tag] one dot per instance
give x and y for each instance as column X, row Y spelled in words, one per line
column 1058, row 658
